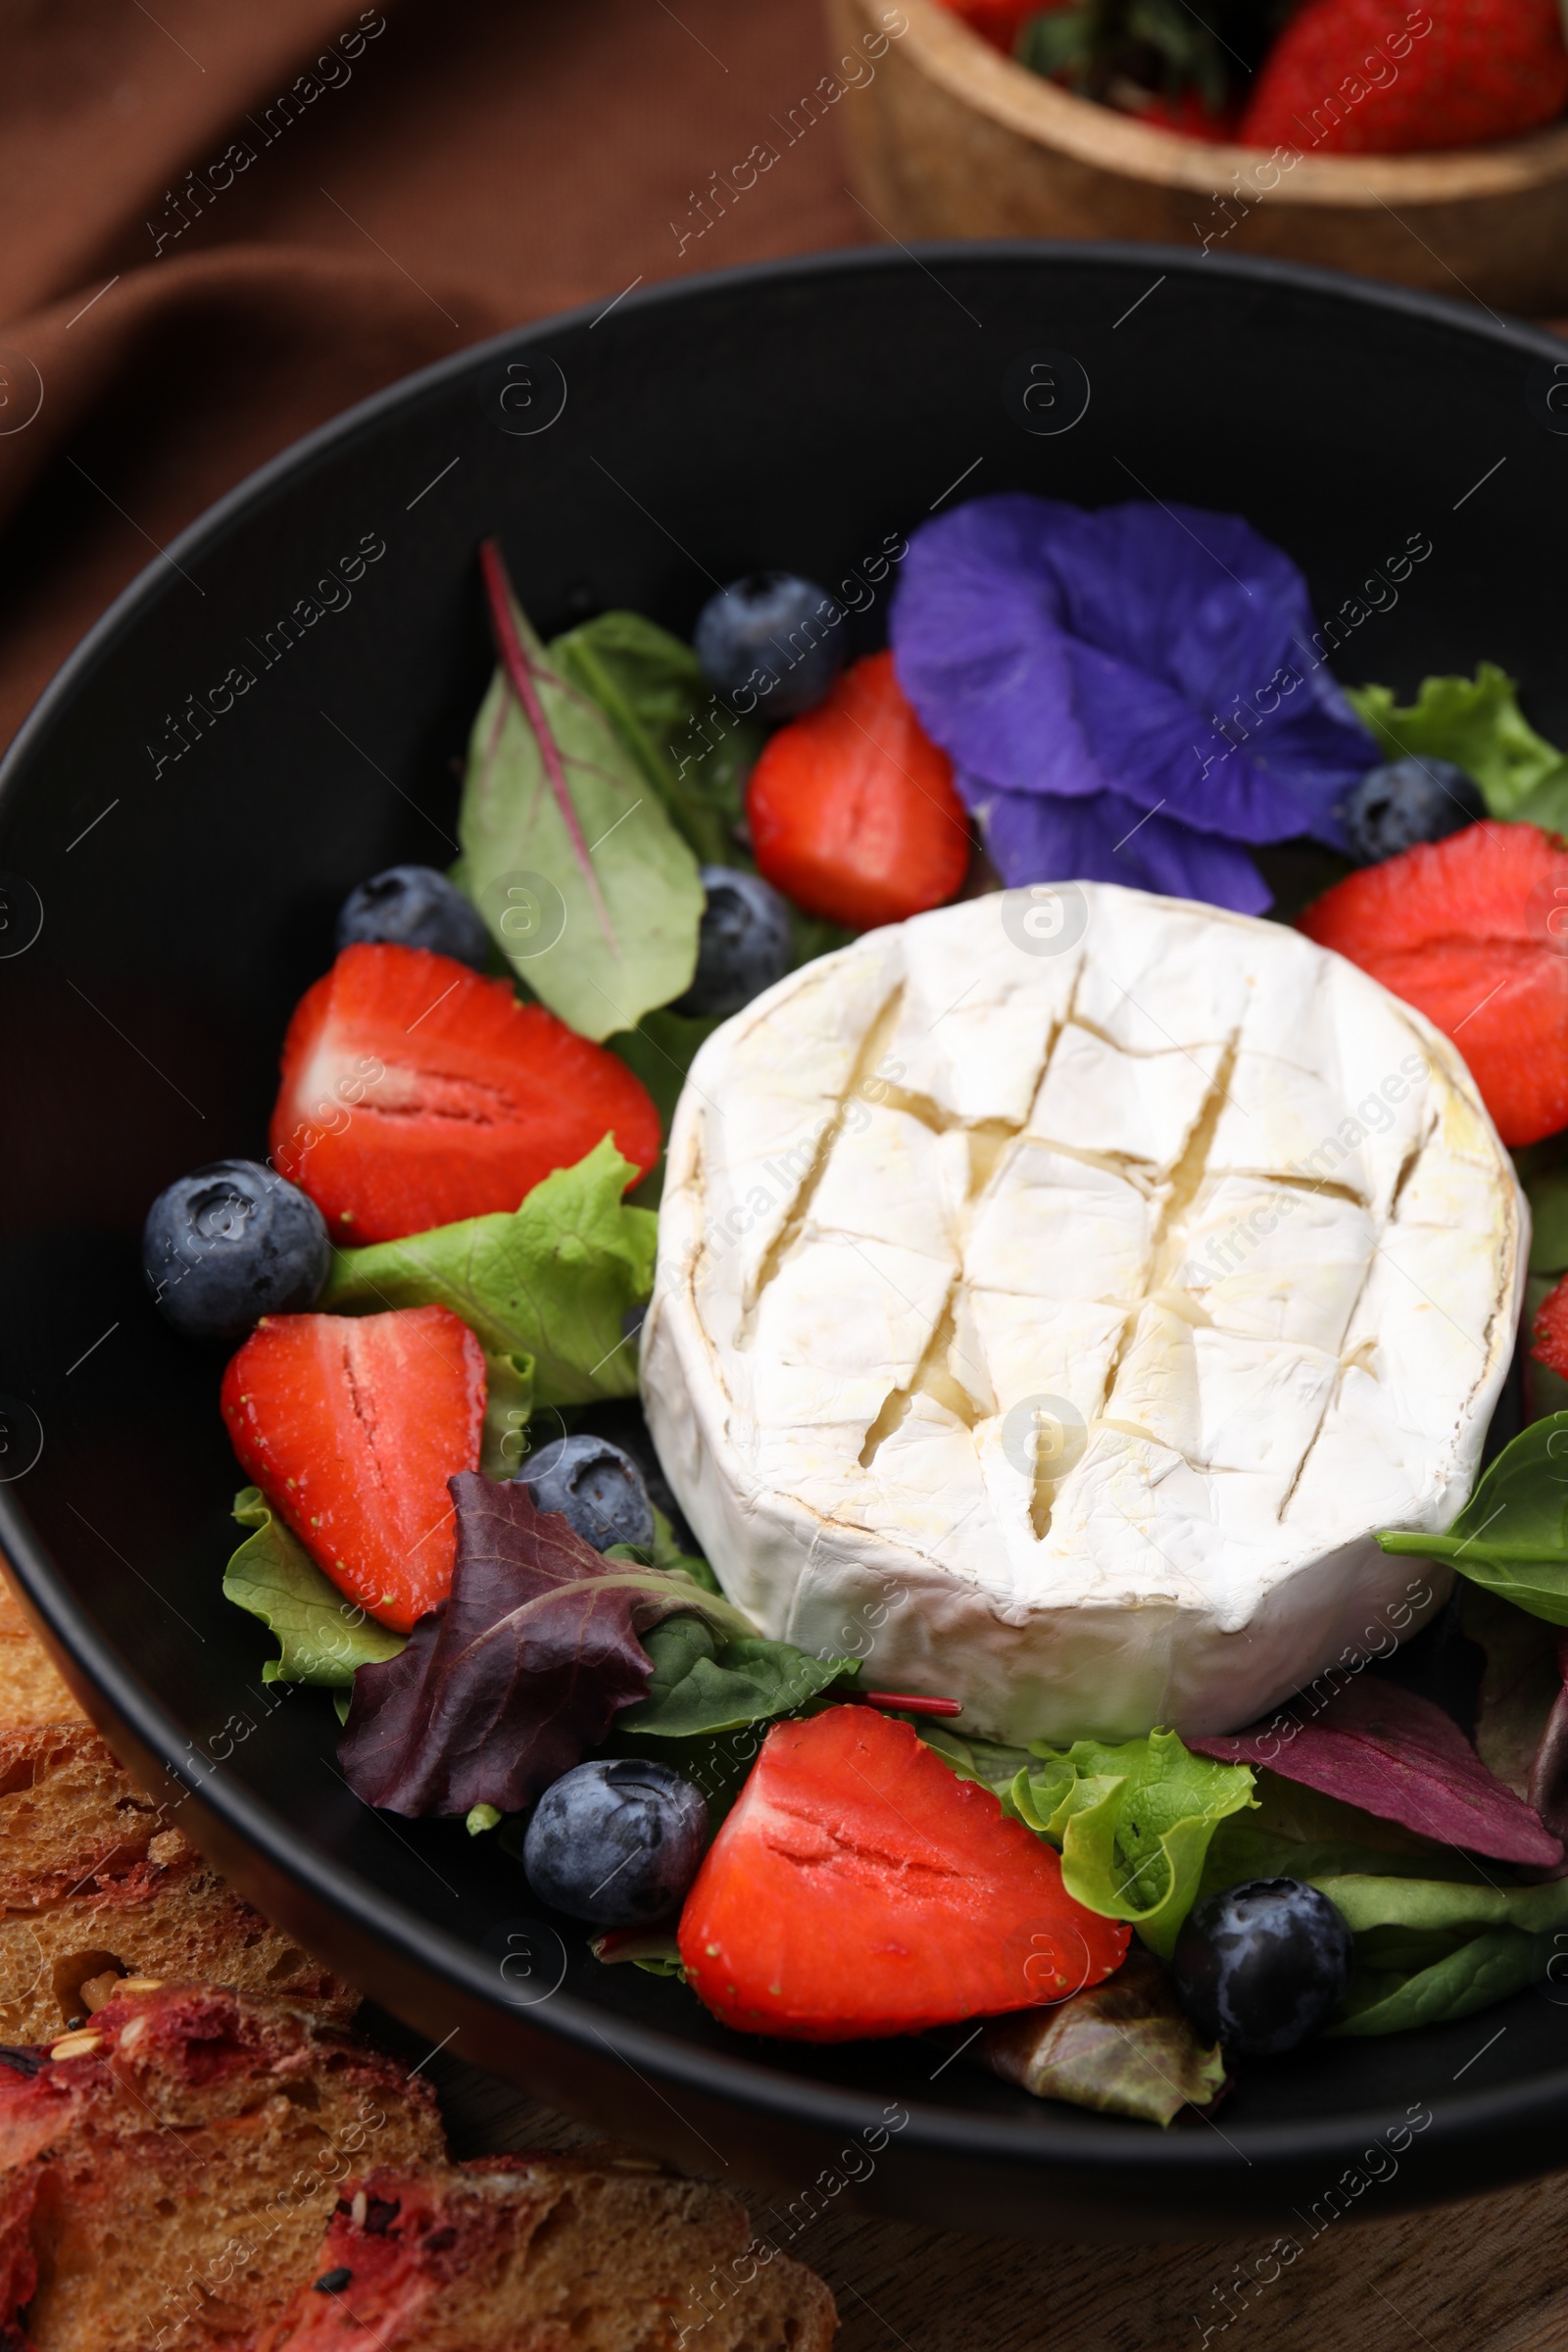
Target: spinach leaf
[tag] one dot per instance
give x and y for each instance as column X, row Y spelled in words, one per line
column 661, row 1051
column 995, row 1768
column 1297, row 1833
column 1472, row 1975
column 1134, row 1821
column 702, row 1685
column 688, row 744
column 322, row 1635
column 558, row 815
column 1549, row 1222
column 1512, row 1535
column 668, row 1555
column 1436, row 1907
column 1477, row 723
column 554, row 1280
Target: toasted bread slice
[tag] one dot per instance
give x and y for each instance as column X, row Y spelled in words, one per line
column 68, row 1814
column 31, row 1690
column 168, row 1917
column 604, row 2253
column 166, row 2172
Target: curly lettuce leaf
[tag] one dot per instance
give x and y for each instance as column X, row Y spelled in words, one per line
column 1546, row 803
column 1512, row 1535
column 692, row 749
column 701, row 1685
column 557, row 1280
column 1134, row 1822
column 322, row 1636
column 1476, row 722
column 508, row 1407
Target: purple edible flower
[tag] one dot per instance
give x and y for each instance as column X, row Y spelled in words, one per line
column 1126, row 696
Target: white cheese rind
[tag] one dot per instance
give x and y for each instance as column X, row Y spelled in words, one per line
column 1230, row 1210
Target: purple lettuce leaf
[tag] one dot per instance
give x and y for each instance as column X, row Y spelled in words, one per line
column 518, row 1673
column 1397, row 1756
column 1156, row 655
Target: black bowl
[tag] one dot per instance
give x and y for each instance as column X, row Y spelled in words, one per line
column 277, row 708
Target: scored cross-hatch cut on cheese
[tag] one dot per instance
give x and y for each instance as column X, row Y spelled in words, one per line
column 1052, row 1313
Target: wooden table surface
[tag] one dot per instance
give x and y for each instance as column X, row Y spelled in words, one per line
column 1488, row 2275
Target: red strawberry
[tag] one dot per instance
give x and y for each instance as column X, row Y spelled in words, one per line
column 1380, row 77
column 860, row 1887
column 351, row 1425
column 998, row 22
column 416, row 1093
column 851, row 807
column 1189, row 114
column 1549, row 1341
column 1473, row 932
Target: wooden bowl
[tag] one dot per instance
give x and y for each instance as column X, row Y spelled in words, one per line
column 951, row 139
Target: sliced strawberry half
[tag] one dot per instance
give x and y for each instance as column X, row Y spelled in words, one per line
column 415, row 1092
column 1473, row 932
column 859, row 1888
column 351, row 1425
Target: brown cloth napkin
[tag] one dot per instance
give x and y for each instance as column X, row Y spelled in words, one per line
column 224, row 220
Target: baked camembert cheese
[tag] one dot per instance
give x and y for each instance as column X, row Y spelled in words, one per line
column 1057, row 1292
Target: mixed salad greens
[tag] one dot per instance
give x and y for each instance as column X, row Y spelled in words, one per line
column 457, row 1525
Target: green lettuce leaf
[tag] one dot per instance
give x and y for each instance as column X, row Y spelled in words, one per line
column 702, row 1685
column 554, row 1280
column 1134, row 1822
column 1546, row 803
column 693, row 751
column 508, row 1405
column 1477, row 723
column 1122, row 2047
column 586, row 886
column 322, row 1635
column 1512, row 1535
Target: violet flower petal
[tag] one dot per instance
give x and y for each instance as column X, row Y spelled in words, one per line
column 1040, row 837
column 1162, row 654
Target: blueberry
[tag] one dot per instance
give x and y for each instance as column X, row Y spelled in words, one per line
column 229, row 1242
column 1410, row 801
column 618, row 1841
column 743, row 945
column 1262, row 1966
column 595, row 1487
column 775, row 634
column 415, row 906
